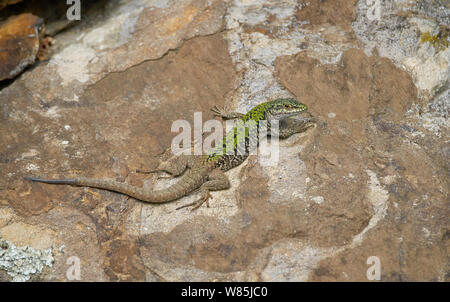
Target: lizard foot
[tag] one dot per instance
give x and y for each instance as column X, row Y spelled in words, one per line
column 219, row 111
column 225, row 113
column 196, row 204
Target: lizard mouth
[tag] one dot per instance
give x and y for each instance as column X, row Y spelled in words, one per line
column 303, row 117
column 299, row 121
column 283, row 115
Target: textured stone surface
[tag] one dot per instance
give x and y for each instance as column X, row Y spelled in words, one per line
column 399, row 33
column 368, row 153
column 19, row 44
column 370, row 180
column 5, row 3
column 23, row 262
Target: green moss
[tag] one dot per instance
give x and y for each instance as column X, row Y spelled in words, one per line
column 439, row 41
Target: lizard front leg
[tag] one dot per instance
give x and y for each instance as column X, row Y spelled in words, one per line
column 217, row 180
column 225, row 113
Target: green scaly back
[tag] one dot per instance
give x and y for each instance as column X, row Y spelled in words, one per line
column 248, row 125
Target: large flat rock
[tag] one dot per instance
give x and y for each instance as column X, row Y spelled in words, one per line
column 370, row 180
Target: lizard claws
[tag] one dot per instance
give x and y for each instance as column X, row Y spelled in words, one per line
column 196, row 204
column 221, row 112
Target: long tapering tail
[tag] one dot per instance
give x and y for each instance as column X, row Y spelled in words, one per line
column 158, row 196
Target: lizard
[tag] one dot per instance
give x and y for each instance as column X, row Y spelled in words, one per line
column 206, row 172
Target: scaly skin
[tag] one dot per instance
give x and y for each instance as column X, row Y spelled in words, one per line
column 207, row 171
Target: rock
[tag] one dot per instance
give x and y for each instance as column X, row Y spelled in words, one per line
column 19, row 44
column 403, row 32
column 22, row 262
column 368, row 182
column 5, row 3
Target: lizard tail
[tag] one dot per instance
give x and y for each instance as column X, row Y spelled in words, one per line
column 158, row 196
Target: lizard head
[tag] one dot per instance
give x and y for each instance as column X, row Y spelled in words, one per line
column 292, row 116
column 297, row 123
column 283, row 107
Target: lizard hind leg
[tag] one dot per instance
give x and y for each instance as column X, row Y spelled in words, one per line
column 174, row 166
column 217, row 180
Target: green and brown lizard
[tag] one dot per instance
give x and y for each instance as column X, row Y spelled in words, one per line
column 206, row 172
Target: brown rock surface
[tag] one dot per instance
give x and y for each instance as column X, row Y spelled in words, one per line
column 5, row 3
column 19, row 44
column 366, row 138
column 370, row 180
column 340, row 12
